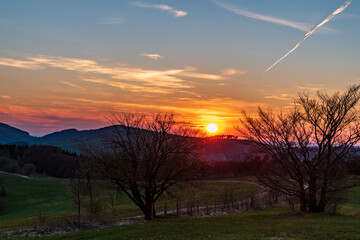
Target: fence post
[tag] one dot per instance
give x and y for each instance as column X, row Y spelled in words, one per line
column 197, row 207
column 207, row 208
column 187, row 208
column 177, row 207
column 215, row 208
column 165, row 209
column 252, row 202
column 152, row 210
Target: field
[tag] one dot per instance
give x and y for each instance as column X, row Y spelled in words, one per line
column 269, row 224
column 48, row 196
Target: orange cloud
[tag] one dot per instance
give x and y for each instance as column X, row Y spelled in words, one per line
column 136, row 79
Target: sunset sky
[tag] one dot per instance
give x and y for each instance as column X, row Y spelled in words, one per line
column 69, row 64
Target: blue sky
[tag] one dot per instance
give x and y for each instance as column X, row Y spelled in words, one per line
column 203, row 59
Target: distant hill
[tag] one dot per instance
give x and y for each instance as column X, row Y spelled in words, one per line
column 9, row 134
column 70, row 140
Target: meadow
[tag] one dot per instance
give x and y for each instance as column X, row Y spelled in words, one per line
column 27, row 198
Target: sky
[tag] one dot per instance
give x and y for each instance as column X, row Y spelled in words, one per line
column 70, row 64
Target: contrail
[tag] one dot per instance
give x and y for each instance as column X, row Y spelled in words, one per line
column 337, row 11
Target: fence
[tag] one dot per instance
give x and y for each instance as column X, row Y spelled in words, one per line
column 197, row 208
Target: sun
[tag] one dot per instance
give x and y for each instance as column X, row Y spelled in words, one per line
column 212, row 128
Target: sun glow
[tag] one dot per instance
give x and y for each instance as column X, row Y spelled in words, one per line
column 212, row 128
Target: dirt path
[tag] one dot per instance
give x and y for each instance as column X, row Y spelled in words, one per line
column 17, row 175
column 240, row 181
column 28, row 177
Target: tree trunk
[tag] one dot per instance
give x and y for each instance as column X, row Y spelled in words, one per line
column 312, row 203
column 149, row 208
column 303, row 200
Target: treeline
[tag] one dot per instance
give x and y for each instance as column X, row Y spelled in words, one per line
column 53, row 161
column 258, row 165
column 42, row 159
column 236, row 168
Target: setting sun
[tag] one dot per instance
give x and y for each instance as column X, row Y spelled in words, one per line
column 212, row 128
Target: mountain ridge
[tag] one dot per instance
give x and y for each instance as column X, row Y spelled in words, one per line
column 71, row 140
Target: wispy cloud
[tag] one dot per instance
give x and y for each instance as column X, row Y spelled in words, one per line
column 177, row 13
column 280, row 21
column 283, row 97
column 130, row 78
column 20, row 64
column 113, row 20
column 153, row 56
column 308, row 34
column 72, row 85
column 7, row 97
column 130, row 87
column 311, row 87
column 232, row 71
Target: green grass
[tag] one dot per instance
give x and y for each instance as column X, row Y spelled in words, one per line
column 272, row 224
column 352, row 204
column 28, row 198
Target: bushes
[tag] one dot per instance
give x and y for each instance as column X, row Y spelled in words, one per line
column 9, row 165
column 3, row 161
column 29, row 169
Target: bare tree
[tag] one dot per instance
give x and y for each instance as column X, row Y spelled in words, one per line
column 146, row 156
column 308, row 146
column 77, row 189
column 85, row 189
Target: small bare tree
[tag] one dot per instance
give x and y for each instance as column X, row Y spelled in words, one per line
column 85, row 188
column 144, row 157
column 308, row 146
column 77, row 189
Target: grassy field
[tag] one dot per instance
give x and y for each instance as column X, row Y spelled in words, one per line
column 274, row 224
column 28, row 198
column 352, row 204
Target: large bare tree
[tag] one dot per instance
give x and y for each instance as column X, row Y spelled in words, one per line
column 145, row 156
column 308, row 146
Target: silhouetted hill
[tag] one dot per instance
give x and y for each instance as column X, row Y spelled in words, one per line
column 60, row 135
column 71, row 139
column 9, row 134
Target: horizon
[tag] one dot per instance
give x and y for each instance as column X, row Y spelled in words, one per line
column 67, row 64
column 210, row 135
